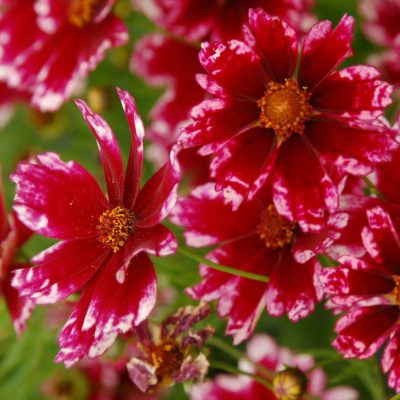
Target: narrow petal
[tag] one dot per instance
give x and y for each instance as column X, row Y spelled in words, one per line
column 158, row 195
column 235, row 68
column 302, row 189
column 274, row 41
column 58, row 199
column 323, row 50
column 109, row 152
column 3, row 212
column 134, row 167
column 363, row 330
column 62, row 270
column 132, row 300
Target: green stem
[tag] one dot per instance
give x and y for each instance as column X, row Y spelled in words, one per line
column 396, row 397
column 233, row 370
column 222, row 268
column 237, row 355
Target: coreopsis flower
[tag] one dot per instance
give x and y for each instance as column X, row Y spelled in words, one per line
column 105, row 241
column 292, row 377
column 254, row 239
column 170, row 353
column 367, row 289
column 158, row 60
column 13, row 235
column 220, row 20
column 301, row 123
column 66, row 40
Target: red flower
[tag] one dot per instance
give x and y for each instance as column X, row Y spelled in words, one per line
column 254, row 239
column 13, row 235
column 105, row 241
column 368, row 290
column 66, row 40
column 263, row 350
column 264, row 121
column 220, row 20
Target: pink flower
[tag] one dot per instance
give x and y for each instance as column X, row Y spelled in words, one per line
column 265, row 120
column 170, row 353
column 368, row 291
column 264, row 351
column 254, row 239
column 13, row 234
column 67, row 39
column 105, row 242
column 220, row 20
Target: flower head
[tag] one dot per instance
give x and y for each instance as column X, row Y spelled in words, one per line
column 105, row 241
column 66, row 40
column 258, row 240
column 170, row 354
column 288, row 117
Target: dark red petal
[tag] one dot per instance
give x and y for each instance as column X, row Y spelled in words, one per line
column 323, row 50
column 274, row 41
column 217, row 121
column 158, row 195
column 109, row 152
column 205, row 213
column 20, row 308
column 243, row 165
column 135, row 162
column 230, row 290
column 58, row 199
column 391, row 361
column 291, row 288
column 302, row 189
column 355, row 90
column 381, row 239
column 61, row 270
column 354, row 146
column 363, row 330
column 235, row 68
column 346, row 280
column 133, row 295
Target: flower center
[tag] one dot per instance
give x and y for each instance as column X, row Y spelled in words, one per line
column 81, row 12
column 274, row 230
column 167, row 358
column 115, row 226
column 285, row 108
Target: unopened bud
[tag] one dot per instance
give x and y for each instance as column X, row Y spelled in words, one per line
column 289, row 384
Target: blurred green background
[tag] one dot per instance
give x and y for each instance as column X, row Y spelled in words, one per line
column 26, row 362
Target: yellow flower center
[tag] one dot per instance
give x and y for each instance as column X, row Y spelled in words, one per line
column 289, row 384
column 115, row 226
column 274, row 230
column 285, row 108
column 167, row 358
column 81, row 12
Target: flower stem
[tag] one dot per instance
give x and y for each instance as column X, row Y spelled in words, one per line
column 237, row 355
column 223, row 268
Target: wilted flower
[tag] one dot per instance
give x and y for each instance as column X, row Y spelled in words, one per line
column 170, row 353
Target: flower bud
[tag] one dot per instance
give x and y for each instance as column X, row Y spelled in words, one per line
column 289, row 384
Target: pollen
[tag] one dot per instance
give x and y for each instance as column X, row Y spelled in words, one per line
column 81, row 12
column 285, row 108
column 274, row 230
column 395, row 293
column 115, row 226
column 167, row 358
